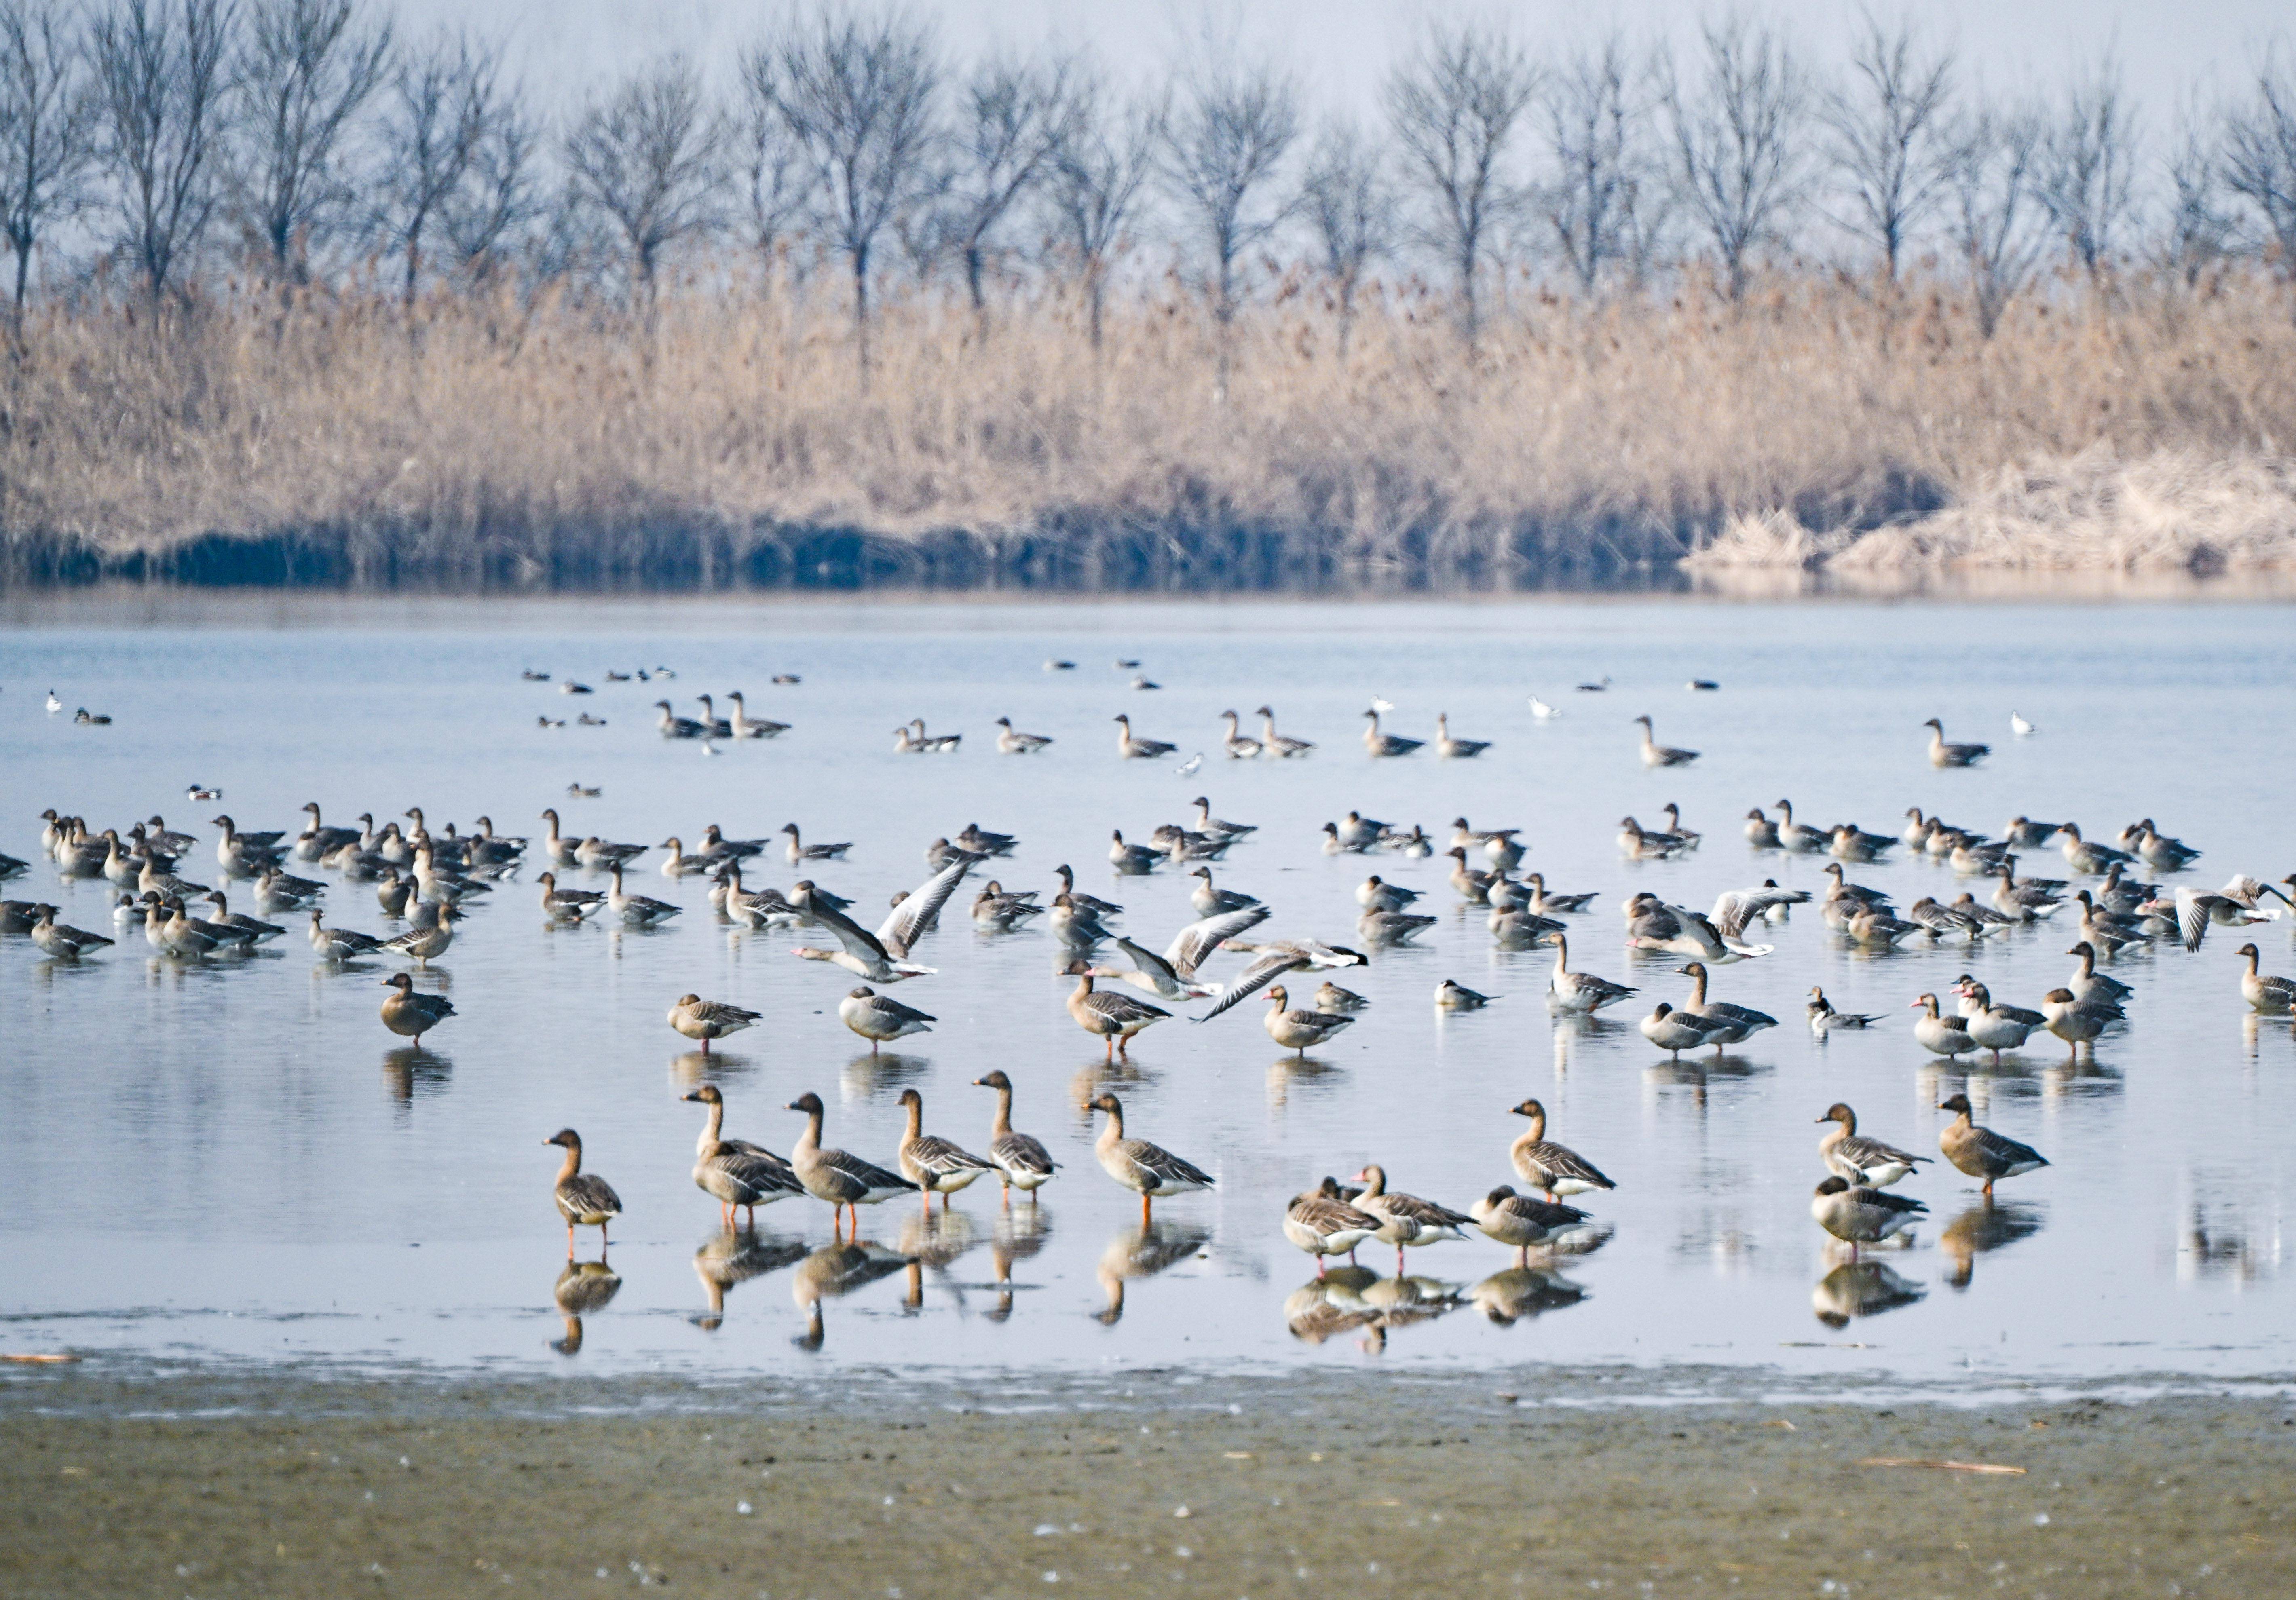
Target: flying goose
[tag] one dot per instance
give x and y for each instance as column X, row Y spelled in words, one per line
column 2196, row 909
column 1021, row 1158
column 411, row 1015
column 584, row 1199
column 1149, row 1170
column 1271, row 961
column 1133, row 748
column 696, row 1018
column 936, row 1165
column 1386, row 745
column 1011, row 741
column 1321, row 1223
column 880, row 1019
column 1172, row 976
column 1864, row 1162
column 1859, row 1215
column 842, row 1181
column 1981, row 1153
column 1111, row 1018
column 1276, row 746
column 1655, row 754
column 735, row 1172
column 881, row 958
column 1942, row 754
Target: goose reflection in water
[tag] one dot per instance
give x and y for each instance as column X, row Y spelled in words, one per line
column 1519, row 1292
column 1305, row 1073
column 1988, row 1224
column 836, row 1269
column 867, row 1076
column 693, row 1068
column 413, row 1070
column 1349, row 1298
column 1143, row 1252
column 583, row 1287
column 1861, row 1288
column 932, row 1243
column 1018, row 1235
column 728, row 1257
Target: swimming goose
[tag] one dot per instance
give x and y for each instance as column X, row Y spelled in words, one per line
column 2110, row 931
column 1131, row 748
column 1405, row 1220
column 1111, row 1018
column 1853, row 843
column 1504, row 850
column 1943, row 1034
column 1332, row 997
column 880, row 1019
column 584, row 1199
column 1206, row 822
column 318, row 841
column 842, row 1181
column 2088, row 985
column 1451, row 749
column 2262, row 992
column 696, row 1018
column 427, row 938
column 1209, row 901
column 411, row 1015
column 339, row 944
column 244, row 855
column 1273, row 960
column 60, row 941
column 745, row 726
column 2023, row 833
column 936, row 1165
column 399, row 895
column 1357, row 831
column 2085, row 857
column 1690, row 837
column 16, row 917
column 2022, row 903
column 1324, row 1224
column 1021, row 1158
column 10, row 866
column 556, row 846
column 566, row 904
column 1472, row 882
column 981, row 842
column 1877, row 929
column 637, row 910
column 1391, row 927
column 151, row 880
column 1149, row 1170
column 1675, row 1031
column 933, row 745
column 1944, row 921
column 1546, row 902
column 1980, row 1152
column 1580, row 994
column 2075, row 1021
column 735, row 1172
column 1518, row 930
column 225, row 917
column 1239, row 745
column 798, row 852
column 1452, row 996
column 1550, row 1168
column 1732, row 1024
column 1276, row 746
column 1004, row 911
column 1864, row 1162
column 1386, row 745
column 1942, row 754
column 1011, row 741
column 674, row 727
column 1823, row 1019
column 1295, row 1030
column 1133, row 859
column 594, row 852
column 2155, row 848
column 752, row 908
column 1762, row 832
column 1655, row 754
column 1522, row 1220
column 1074, row 926
column 717, row 849
column 1638, row 844
column 1858, row 1215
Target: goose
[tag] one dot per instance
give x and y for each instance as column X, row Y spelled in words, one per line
column 1133, row 859
column 1321, row 1223
column 1022, row 1159
column 1544, row 902
column 637, row 910
column 2023, row 833
column 1762, row 832
column 1011, row 741
column 1111, row 1018
column 1240, row 746
column 752, row 908
column 2022, row 903
column 1451, row 749
column 1550, row 1168
column 1690, row 837
column 997, row 908
column 16, row 917
column 2076, row 1023
column 2195, row 910
column 61, row 941
column 745, row 726
column 1655, row 754
column 1823, row 1019
column 1332, row 997
column 566, row 904
column 556, row 846
column 1273, row 960
column 1942, row 754
column 1858, row 1215
column 1504, row 851
column 318, row 841
column 1853, row 843
column 2154, row 848
column 1981, row 1153
column 880, row 1019
column 10, row 866
column 1522, row 1220
column 1452, row 996
column 1472, row 882
column 1078, row 928
column 2110, row 931
column 1149, row 1170
column 1864, row 1162
column 717, row 849
column 424, row 942
column 594, row 852
column 1518, row 930
column 735, row 1172
column 1360, row 833
column 584, row 1199
column 1405, row 1220
column 935, row 1165
column 1277, row 746
column 1732, row 1024
column 979, row 841
column 2122, row 893
column 1295, row 1030
column 395, row 894
column 696, row 1018
column 1580, row 994
column 1209, row 901
column 1877, row 929
column 1943, row 921
column 2088, row 986
column 1918, row 829
column 2088, row 858
column 882, row 957
column 1391, row 927
column 1206, row 822
column 487, row 848
column 1638, row 844
column 1179, row 844
column 1414, row 846
column 798, row 852
column 339, row 944
column 411, row 1015
column 674, row 727
column 1736, row 909
column 842, row 1181
column 1655, row 925
column 1674, row 1031
column 151, row 880
column 1133, row 748
column 2246, row 892
column 186, row 935
column 1939, row 1033
column 2262, row 992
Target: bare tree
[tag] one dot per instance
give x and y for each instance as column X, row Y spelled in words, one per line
column 779, row 183
column 1223, row 148
column 999, row 140
column 1735, row 135
column 858, row 98
column 1454, row 107
column 646, row 159
column 47, row 128
column 480, row 215
column 1101, row 159
column 304, row 69
column 2088, row 168
column 1996, row 209
column 2259, row 156
column 1597, row 186
column 1348, row 200
column 433, row 117
column 1887, row 132
column 2200, row 229
column 159, row 74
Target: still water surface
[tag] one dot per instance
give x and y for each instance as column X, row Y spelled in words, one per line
column 234, row 1158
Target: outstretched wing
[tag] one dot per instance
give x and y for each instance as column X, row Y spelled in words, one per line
column 1272, row 963
column 1148, row 961
column 1196, row 941
column 916, row 913
column 2192, row 918
column 855, row 937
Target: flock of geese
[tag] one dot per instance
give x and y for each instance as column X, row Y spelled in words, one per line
column 431, row 881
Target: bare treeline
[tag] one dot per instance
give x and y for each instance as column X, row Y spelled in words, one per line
column 155, row 142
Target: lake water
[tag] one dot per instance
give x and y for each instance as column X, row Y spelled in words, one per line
column 233, row 1161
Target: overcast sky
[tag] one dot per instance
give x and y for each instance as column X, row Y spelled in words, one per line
column 1340, row 48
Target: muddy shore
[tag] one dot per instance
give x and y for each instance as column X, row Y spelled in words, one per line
column 200, row 1486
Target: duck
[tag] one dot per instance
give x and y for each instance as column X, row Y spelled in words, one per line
column 935, row 1165
column 424, row 941
column 584, row 1199
column 1522, row 1220
column 1942, row 754
column 2262, row 992
column 60, row 941
column 1133, row 748
column 1655, row 754
column 411, row 1015
column 696, row 1017
column 1729, row 1024
column 1011, row 741
column 1550, row 1168
column 1295, row 1030
column 1324, row 1224
column 1453, row 996
column 1580, row 994
column 1277, row 746
column 1760, row 831
column 1674, row 1032
column 798, row 852
column 1021, row 1159
column 637, row 910
column 1823, row 1019
column 1981, row 1153
column 1112, row 1018
column 1939, row 1033
column 842, row 1181
column 1240, row 746
column 880, row 1018
column 1858, row 1215
column 1149, row 1170
column 1544, row 712
column 2075, row 1021
column 1210, row 900
column 735, row 1172
column 1405, row 1220
column 2021, row 726
column 1864, row 1162
column 566, row 904
column 339, row 944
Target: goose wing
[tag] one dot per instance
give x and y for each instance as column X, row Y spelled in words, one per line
column 1272, row 963
column 917, row 912
column 1861, row 1152
column 868, row 1174
column 937, row 1155
column 590, row 1195
column 1156, row 966
column 1560, row 1161
column 1737, row 907
column 753, row 1170
column 1122, row 1008
column 1396, row 1203
column 2192, row 917
column 1194, row 943
column 1022, row 1152
column 856, row 939
column 1163, row 1165
column 2002, row 1148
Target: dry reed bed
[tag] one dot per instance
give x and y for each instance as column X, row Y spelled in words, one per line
column 1579, row 434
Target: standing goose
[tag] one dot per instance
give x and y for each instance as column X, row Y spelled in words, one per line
column 2076, row 1021
column 1675, row 1031
column 1522, row 1220
column 880, row 1018
column 1240, row 746
column 1149, row 1170
column 556, row 847
column 1981, row 1153
column 934, row 1164
column 1295, row 1030
column 1995, row 1026
column 696, row 1018
column 1405, row 1220
column 1551, row 1167
column 1133, row 748
column 636, row 910
column 59, row 940
column 1451, row 749
column 566, row 904
column 1277, row 745
column 1942, row 754
column 1321, row 1223
column 1011, row 741
column 1655, row 754
column 424, row 942
column 584, row 1199
column 1734, row 1023
column 1111, row 1018
column 2088, row 985
column 1021, row 1158
column 2262, row 992
column 1858, row 1215
column 842, row 1181
column 225, row 916
column 339, row 944
column 800, row 852
column 735, row 1172
column 1943, row 1034
column 1211, row 901
column 1864, row 1162
column 1386, row 745
column 1580, row 994
column 411, row 1015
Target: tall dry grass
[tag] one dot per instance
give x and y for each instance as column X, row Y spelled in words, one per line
column 475, row 436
